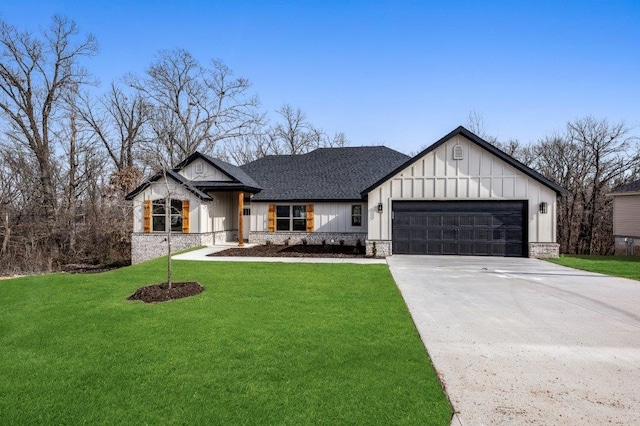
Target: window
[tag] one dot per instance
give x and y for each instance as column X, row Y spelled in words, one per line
column 356, row 215
column 291, row 218
column 159, row 216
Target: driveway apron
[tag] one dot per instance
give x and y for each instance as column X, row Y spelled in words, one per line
column 523, row 341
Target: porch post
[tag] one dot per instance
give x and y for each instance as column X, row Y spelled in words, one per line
column 240, row 219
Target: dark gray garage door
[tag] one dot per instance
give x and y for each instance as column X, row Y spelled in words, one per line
column 474, row 228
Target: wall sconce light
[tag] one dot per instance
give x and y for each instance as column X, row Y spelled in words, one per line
column 543, row 207
column 379, row 207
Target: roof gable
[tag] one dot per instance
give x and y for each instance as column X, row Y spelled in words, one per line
column 176, row 178
column 221, row 176
column 482, row 144
column 233, row 173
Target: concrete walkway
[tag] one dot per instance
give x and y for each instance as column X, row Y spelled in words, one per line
column 201, row 254
column 524, row 341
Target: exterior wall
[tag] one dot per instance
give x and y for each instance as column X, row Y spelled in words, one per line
column 626, row 220
column 149, row 246
column 478, row 176
column 158, row 191
column 327, row 217
column 225, row 211
column 544, row 250
column 626, row 224
column 208, row 172
column 210, row 223
column 378, row 248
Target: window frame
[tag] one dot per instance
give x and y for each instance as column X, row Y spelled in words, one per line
column 295, row 219
column 159, row 215
column 355, row 215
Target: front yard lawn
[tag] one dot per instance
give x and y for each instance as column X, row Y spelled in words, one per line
column 617, row 266
column 265, row 343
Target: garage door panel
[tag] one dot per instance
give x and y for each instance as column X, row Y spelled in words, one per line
column 481, row 228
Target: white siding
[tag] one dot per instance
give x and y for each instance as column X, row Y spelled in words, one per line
column 158, row 191
column 478, row 176
column 225, row 212
column 327, row 217
column 626, row 215
column 208, row 172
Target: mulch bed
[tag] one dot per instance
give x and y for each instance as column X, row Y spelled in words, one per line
column 162, row 292
column 299, row 250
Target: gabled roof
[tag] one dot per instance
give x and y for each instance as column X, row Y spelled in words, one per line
column 235, row 173
column 175, row 177
column 240, row 181
column 338, row 174
column 627, row 189
column 482, row 143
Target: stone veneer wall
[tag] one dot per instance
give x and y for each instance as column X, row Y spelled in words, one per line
column 382, row 248
column 149, row 246
column 627, row 246
column 544, row 250
column 312, row 238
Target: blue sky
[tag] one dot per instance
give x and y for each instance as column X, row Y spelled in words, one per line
column 397, row 73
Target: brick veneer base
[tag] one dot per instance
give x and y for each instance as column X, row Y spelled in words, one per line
column 544, row 250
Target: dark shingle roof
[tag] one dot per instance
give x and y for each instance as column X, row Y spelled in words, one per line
column 628, row 188
column 323, row 174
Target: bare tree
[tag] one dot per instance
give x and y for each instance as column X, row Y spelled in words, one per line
column 35, row 74
column 117, row 120
column 589, row 160
column 193, row 107
column 295, row 134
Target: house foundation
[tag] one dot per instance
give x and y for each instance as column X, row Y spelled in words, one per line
column 544, row 250
column 149, row 246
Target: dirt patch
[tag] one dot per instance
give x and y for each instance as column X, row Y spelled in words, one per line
column 162, row 292
column 299, row 250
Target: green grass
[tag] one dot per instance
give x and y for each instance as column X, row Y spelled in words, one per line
column 263, row 344
column 618, row 266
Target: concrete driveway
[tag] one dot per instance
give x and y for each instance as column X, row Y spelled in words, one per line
column 523, row 341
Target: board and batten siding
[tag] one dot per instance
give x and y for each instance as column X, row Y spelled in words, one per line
column 225, row 211
column 158, row 191
column 201, row 170
column 626, row 215
column 479, row 175
column 327, row 217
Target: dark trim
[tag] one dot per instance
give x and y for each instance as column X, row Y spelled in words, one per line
column 213, row 188
column 560, row 191
column 311, row 200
